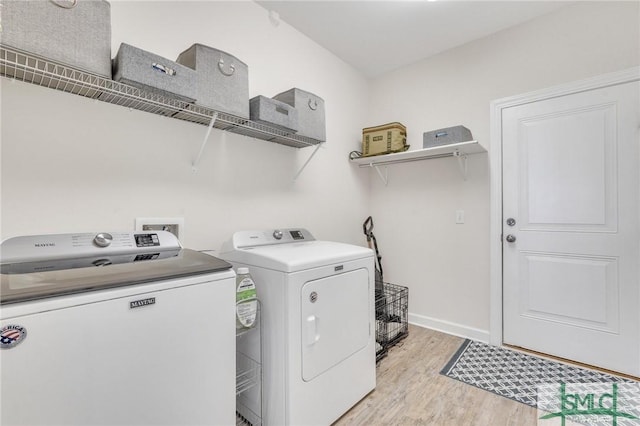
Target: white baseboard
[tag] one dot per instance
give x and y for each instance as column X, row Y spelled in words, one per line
column 449, row 328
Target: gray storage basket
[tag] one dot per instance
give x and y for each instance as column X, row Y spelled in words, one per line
column 446, row 136
column 310, row 107
column 274, row 113
column 78, row 34
column 154, row 73
column 222, row 79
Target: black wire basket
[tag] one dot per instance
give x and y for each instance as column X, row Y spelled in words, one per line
column 392, row 315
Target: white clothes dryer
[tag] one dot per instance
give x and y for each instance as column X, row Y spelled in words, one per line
column 318, row 325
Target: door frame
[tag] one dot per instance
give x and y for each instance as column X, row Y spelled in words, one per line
column 495, row 169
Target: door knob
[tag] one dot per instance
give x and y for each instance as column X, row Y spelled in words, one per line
column 511, row 238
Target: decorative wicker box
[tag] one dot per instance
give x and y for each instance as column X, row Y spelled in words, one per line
column 274, row 113
column 446, row 136
column 222, row 79
column 154, row 73
column 384, row 139
column 310, row 107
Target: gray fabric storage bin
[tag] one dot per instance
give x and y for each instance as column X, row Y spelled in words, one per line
column 78, row 36
column 222, row 79
column 310, row 107
column 446, row 136
column 274, row 113
column 154, row 73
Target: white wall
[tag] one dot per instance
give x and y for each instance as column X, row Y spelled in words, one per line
column 445, row 265
column 71, row 164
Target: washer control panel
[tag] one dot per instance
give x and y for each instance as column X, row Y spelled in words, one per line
column 147, row 240
column 60, row 246
column 297, row 234
column 103, row 239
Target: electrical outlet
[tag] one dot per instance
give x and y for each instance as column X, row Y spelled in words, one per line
column 175, row 225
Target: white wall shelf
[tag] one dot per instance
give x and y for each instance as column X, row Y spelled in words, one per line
column 459, row 150
column 22, row 66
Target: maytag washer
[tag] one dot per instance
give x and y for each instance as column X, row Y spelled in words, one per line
column 318, row 343
column 115, row 328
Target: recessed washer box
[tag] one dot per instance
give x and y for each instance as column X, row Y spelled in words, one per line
column 175, row 225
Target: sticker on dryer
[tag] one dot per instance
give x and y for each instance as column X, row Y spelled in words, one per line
column 11, row 335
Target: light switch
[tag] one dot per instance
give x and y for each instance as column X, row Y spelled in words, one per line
column 459, row 216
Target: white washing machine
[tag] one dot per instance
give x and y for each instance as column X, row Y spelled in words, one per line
column 115, row 329
column 318, row 325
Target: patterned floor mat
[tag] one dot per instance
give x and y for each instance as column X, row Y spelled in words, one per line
column 516, row 375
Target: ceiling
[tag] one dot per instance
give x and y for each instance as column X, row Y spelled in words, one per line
column 376, row 37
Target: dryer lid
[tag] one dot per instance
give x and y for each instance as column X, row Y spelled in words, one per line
column 295, row 257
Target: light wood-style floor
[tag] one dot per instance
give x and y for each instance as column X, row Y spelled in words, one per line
column 410, row 390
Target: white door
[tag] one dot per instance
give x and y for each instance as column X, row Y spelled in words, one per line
column 572, row 249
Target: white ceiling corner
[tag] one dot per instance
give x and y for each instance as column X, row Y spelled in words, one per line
column 376, row 36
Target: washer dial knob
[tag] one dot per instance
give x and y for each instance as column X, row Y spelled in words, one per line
column 277, row 234
column 103, row 239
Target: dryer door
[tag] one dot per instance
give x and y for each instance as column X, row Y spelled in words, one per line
column 336, row 314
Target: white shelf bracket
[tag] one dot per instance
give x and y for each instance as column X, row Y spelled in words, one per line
column 462, row 162
column 384, row 178
column 307, row 162
column 194, row 165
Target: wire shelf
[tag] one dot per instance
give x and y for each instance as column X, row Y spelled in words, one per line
column 247, row 373
column 29, row 68
column 249, row 418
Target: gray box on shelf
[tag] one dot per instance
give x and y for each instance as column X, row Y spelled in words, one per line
column 78, row 36
column 222, row 79
column 310, row 107
column 272, row 112
column 154, row 73
column 446, row 136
